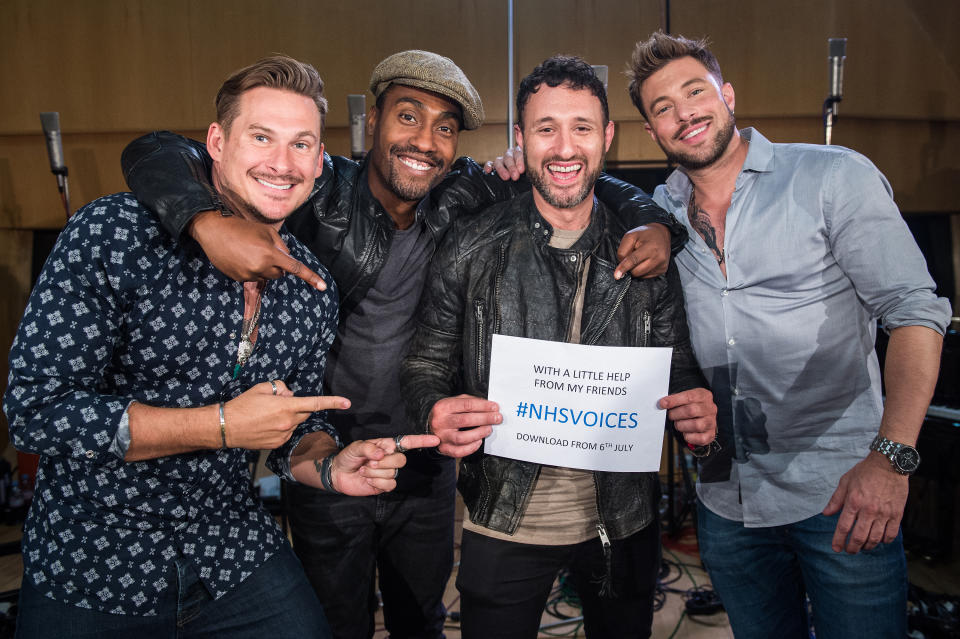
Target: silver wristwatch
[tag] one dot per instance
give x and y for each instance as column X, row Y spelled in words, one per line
column 903, row 458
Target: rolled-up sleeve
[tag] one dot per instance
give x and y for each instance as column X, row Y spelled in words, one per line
column 874, row 247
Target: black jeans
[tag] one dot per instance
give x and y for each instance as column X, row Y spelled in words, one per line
column 408, row 537
column 504, row 585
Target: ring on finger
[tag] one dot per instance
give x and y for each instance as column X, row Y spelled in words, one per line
column 396, row 472
column 273, row 385
column 399, row 446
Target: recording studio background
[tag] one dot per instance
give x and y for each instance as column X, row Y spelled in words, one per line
column 114, row 69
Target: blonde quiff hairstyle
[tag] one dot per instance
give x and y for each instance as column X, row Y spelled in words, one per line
column 654, row 53
column 274, row 72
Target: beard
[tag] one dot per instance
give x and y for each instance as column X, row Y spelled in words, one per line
column 720, row 144
column 539, row 177
column 411, row 190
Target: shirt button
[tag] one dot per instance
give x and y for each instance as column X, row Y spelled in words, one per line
column 736, row 390
column 731, row 342
column 573, row 258
column 90, row 454
column 724, row 292
column 536, row 225
column 546, row 232
column 234, row 335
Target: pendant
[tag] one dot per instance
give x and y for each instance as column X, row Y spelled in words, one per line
column 244, row 349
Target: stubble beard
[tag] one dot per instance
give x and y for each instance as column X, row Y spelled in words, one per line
column 563, row 200
column 720, row 144
column 245, row 208
column 410, row 190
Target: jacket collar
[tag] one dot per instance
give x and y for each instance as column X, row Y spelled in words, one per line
column 542, row 230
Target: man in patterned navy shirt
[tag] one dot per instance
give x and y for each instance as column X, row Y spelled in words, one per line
column 143, row 377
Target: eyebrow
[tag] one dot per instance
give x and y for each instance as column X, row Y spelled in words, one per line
column 420, row 105
column 550, row 118
column 306, row 133
column 682, row 86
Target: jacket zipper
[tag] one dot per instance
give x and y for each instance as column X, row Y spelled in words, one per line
column 606, row 584
column 613, row 309
column 573, row 302
column 478, row 310
column 496, row 287
column 646, row 328
column 478, row 306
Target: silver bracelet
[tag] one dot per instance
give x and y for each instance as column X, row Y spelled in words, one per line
column 223, row 428
column 326, row 474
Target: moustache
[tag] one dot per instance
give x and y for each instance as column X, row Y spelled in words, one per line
column 287, row 177
column 424, row 156
column 693, row 125
column 577, row 158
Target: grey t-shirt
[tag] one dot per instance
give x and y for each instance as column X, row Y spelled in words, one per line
column 364, row 362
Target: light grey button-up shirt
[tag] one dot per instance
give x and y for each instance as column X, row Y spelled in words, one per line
column 816, row 251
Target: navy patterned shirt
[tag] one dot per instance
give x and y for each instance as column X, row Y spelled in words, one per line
column 123, row 312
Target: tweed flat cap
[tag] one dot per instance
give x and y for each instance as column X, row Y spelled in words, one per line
column 425, row 70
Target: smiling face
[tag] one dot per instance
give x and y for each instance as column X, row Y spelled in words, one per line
column 415, row 135
column 265, row 164
column 689, row 114
column 564, row 138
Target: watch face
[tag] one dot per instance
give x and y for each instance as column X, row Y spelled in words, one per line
column 907, row 459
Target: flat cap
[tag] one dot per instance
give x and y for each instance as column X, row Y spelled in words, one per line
column 426, row 70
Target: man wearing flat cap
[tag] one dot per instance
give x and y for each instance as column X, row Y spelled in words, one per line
column 375, row 226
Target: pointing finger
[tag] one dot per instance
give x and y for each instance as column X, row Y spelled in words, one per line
column 296, row 267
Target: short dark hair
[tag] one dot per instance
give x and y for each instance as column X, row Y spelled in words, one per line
column 562, row 70
column 654, row 53
column 275, row 72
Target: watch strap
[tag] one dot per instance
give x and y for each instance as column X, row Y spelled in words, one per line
column 889, row 449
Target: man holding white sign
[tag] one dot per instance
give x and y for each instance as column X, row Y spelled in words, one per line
column 542, row 267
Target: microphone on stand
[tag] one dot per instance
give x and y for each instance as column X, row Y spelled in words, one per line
column 837, row 55
column 50, row 121
column 357, row 106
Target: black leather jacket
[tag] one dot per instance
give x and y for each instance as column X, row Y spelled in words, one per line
column 342, row 223
column 474, row 290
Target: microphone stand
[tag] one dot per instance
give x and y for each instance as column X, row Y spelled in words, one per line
column 64, row 187
column 829, row 117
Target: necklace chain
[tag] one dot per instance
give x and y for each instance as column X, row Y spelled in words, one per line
column 248, row 328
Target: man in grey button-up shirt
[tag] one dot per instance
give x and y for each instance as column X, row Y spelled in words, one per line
column 795, row 251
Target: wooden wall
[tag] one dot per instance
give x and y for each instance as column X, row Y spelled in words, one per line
column 117, row 68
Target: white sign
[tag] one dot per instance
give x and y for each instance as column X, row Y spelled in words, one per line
column 588, row 407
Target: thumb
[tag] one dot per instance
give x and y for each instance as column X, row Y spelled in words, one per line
column 836, row 500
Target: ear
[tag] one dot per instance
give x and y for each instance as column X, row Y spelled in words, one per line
column 319, row 163
column 728, row 96
column 216, row 137
column 608, row 135
column 518, row 135
column 372, row 116
column 649, row 130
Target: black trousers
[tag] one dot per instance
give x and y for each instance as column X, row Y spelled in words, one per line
column 504, row 585
column 407, row 539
